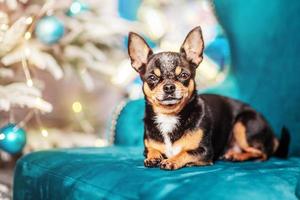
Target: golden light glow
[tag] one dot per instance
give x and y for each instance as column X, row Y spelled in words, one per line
column 27, row 51
column 27, row 36
column 77, row 107
column 29, row 83
column 4, row 27
column 44, row 132
column 100, row 142
column 29, row 20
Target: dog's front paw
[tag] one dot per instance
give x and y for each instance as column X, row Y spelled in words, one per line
column 152, row 162
column 168, row 165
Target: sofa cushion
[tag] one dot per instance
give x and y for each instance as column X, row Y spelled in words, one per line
column 118, row 173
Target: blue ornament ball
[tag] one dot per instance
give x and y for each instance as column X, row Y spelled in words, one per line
column 12, row 138
column 77, row 7
column 128, row 9
column 49, row 29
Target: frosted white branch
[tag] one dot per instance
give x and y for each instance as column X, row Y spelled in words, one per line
column 52, row 66
column 19, row 94
column 36, row 56
column 87, row 60
column 12, row 36
column 87, row 80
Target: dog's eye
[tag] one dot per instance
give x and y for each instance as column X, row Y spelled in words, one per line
column 184, row 75
column 152, row 78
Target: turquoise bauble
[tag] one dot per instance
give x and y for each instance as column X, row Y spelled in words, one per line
column 49, row 29
column 77, row 7
column 12, row 138
column 128, row 9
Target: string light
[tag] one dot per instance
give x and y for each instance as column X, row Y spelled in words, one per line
column 4, row 27
column 100, row 142
column 2, row 136
column 27, row 52
column 77, row 107
column 29, row 83
column 80, row 117
column 44, row 132
column 29, row 20
column 27, row 35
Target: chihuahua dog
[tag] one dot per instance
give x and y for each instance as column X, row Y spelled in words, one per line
column 183, row 128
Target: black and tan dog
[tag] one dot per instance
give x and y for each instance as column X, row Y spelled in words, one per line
column 183, row 128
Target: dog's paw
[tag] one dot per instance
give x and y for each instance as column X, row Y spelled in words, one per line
column 229, row 156
column 152, row 162
column 168, row 165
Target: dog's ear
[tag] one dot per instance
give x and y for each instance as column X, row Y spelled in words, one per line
column 193, row 45
column 138, row 51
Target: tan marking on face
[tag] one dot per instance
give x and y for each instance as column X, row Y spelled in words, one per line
column 154, row 145
column 178, row 70
column 157, row 72
column 190, row 140
column 168, row 110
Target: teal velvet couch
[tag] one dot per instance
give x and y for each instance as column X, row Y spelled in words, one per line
column 264, row 39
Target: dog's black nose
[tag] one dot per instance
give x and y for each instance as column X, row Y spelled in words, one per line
column 169, row 88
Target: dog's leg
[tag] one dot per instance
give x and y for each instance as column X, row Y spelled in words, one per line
column 241, row 149
column 182, row 159
column 153, row 158
column 153, row 153
column 248, row 154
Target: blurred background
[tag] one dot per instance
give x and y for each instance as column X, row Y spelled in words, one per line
column 65, row 74
column 64, row 69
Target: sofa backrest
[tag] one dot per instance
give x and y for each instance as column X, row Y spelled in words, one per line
column 265, row 47
column 129, row 126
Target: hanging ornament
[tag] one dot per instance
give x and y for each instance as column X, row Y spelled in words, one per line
column 12, row 138
column 129, row 9
column 49, row 29
column 77, row 7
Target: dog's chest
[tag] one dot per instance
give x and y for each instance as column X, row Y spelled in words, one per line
column 166, row 124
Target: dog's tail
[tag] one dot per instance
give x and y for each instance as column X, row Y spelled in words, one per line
column 284, row 142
